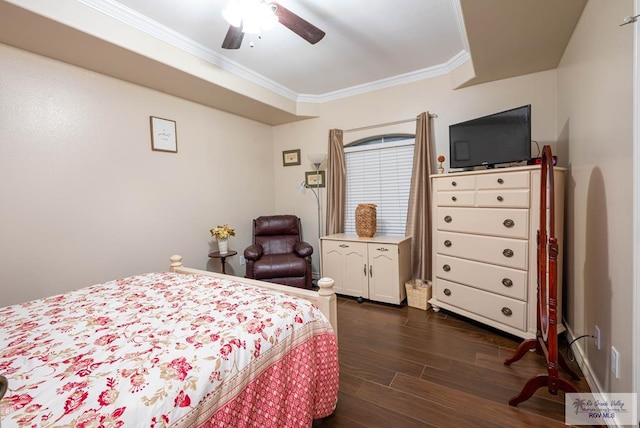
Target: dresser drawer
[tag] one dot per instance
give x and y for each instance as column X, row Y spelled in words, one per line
column 498, row 308
column 466, row 198
column 495, row 279
column 512, row 253
column 510, row 198
column 457, row 183
column 503, row 180
column 511, row 223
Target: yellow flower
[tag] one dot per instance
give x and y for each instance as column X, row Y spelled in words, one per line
column 222, row 232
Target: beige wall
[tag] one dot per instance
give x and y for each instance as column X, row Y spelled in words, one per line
column 81, row 189
column 405, row 102
column 595, row 128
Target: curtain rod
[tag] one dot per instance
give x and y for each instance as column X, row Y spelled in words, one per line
column 380, row 125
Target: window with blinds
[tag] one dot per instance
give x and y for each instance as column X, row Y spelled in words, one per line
column 379, row 172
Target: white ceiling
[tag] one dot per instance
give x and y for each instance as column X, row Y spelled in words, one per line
column 366, row 41
column 174, row 46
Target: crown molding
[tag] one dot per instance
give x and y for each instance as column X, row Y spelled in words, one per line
column 414, row 76
column 146, row 25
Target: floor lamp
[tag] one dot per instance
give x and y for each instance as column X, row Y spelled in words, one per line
column 316, row 159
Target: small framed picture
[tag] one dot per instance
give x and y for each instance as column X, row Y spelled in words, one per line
column 291, row 157
column 314, row 179
column 163, row 135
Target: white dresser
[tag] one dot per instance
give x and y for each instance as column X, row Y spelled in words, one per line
column 372, row 268
column 484, row 245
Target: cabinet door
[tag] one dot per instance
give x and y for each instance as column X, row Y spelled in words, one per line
column 333, row 264
column 346, row 263
column 355, row 270
column 383, row 273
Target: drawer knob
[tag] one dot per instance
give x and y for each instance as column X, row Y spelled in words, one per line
column 447, row 292
column 507, row 282
column 447, row 243
column 500, row 199
column 448, row 219
column 508, row 223
column 382, row 249
column 453, row 198
column 507, row 312
column 446, row 268
column 454, row 184
column 507, row 253
column 343, row 246
column 500, row 181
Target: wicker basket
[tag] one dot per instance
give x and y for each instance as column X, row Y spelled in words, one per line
column 366, row 220
column 418, row 293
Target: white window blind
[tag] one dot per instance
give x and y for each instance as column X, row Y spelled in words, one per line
column 380, row 174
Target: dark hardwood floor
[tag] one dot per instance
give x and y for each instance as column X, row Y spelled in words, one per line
column 405, row 367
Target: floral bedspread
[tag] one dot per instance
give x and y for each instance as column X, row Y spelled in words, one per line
column 165, row 349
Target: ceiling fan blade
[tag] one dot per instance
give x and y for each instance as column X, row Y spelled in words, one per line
column 302, row 28
column 233, row 39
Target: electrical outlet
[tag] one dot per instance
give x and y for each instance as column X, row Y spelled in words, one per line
column 597, row 335
column 615, row 362
column 243, row 261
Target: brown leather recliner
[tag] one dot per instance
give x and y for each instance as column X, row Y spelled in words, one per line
column 278, row 253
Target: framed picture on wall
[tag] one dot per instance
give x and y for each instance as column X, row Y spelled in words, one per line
column 314, row 179
column 291, row 157
column 163, row 135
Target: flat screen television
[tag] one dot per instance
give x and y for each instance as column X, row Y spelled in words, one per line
column 499, row 138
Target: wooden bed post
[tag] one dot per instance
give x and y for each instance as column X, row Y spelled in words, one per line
column 176, row 262
column 327, row 301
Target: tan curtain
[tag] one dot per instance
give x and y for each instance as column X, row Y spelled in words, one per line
column 336, row 183
column 419, row 211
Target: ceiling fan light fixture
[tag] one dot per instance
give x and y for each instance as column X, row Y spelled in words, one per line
column 233, row 13
column 252, row 15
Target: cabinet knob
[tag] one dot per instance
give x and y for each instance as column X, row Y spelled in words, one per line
column 447, row 292
column 454, row 184
column 507, row 312
column 500, row 198
column 500, row 181
column 365, row 270
column 453, row 198
column 447, row 243
column 507, row 253
column 371, row 271
column 507, row 282
column 343, row 246
column 446, row 268
column 382, row 249
column 448, row 219
column 508, row 223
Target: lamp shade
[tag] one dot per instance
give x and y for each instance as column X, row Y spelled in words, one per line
column 316, row 157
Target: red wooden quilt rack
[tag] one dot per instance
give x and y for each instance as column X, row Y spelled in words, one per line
column 546, row 341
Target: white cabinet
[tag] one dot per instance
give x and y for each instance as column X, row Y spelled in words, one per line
column 484, row 245
column 372, row 268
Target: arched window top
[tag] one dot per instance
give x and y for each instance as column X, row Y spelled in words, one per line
column 379, row 172
column 379, row 139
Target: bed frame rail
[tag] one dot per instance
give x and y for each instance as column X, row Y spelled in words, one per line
column 324, row 298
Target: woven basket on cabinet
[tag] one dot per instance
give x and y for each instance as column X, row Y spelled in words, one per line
column 366, row 220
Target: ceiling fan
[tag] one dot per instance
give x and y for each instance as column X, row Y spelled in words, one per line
column 250, row 16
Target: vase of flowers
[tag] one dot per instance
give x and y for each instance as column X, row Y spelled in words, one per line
column 440, row 167
column 222, row 234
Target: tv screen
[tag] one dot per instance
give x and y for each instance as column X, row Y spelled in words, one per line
column 499, row 138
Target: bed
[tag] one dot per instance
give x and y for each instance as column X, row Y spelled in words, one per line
column 183, row 348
